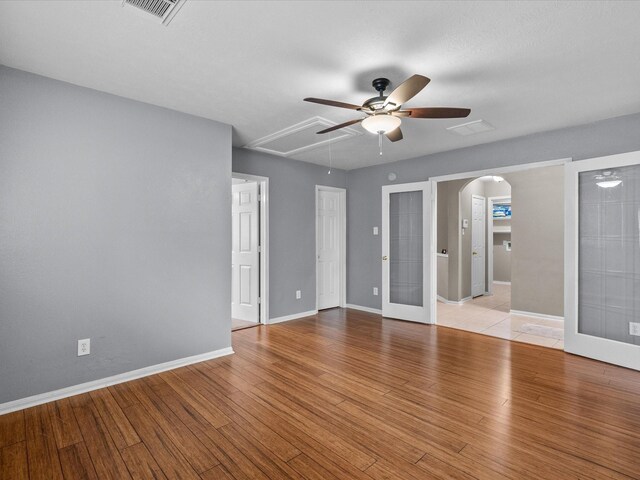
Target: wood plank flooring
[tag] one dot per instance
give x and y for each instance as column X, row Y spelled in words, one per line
column 344, row 395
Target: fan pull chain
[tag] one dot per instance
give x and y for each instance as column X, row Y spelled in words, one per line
column 330, row 155
column 380, row 142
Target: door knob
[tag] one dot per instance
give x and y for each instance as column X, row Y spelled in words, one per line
column 385, row 258
column 475, row 253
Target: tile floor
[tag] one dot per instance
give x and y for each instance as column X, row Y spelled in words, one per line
column 489, row 315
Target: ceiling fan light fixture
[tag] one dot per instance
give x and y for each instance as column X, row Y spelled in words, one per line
column 607, row 179
column 381, row 123
column 609, row 183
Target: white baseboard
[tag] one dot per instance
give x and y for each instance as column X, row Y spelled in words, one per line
column 498, row 282
column 47, row 397
column 537, row 315
column 453, row 302
column 294, row 316
column 376, row 311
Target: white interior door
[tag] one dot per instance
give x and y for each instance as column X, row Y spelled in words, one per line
column 328, row 246
column 602, row 259
column 406, row 262
column 478, row 235
column 245, row 256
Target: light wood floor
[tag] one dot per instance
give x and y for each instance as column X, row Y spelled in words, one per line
column 344, row 395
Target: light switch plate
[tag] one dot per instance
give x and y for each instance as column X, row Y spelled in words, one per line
column 375, row 230
column 375, row 290
column 634, row 329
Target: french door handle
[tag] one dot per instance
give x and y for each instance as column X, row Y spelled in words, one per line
column 385, row 258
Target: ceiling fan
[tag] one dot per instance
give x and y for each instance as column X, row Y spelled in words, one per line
column 384, row 113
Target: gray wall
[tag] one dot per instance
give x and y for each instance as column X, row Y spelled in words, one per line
column 537, row 235
column 442, row 263
column 114, row 225
column 292, row 227
column 606, row 137
column 442, row 235
column 501, row 258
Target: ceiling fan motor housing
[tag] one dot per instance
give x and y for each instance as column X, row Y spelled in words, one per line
column 381, row 84
column 374, row 103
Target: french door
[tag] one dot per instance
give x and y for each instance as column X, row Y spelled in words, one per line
column 602, row 259
column 406, row 262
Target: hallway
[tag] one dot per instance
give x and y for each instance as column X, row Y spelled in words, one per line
column 489, row 315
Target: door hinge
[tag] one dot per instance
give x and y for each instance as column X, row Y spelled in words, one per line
column 259, row 300
column 259, row 249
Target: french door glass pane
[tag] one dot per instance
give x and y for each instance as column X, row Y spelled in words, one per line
column 609, row 256
column 405, row 248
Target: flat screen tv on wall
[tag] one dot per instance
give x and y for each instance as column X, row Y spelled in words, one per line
column 501, row 210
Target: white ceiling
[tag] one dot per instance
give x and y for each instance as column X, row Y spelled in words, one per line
column 524, row 67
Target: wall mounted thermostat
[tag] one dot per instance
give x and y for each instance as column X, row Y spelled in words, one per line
column 465, row 223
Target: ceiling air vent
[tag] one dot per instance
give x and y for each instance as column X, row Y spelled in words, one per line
column 162, row 10
column 471, row 128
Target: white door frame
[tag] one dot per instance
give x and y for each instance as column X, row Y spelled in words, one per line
column 610, row 351
column 484, row 203
column 342, row 222
column 490, row 202
column 428, row 253
column 460, row 176
column 263, row 182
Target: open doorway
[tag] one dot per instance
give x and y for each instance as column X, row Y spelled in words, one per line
column 249, row 251
column 500, row 269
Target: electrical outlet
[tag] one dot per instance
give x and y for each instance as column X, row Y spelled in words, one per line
column 375, row 230
column 634, row 329
column 84, row 347
column 298, row 294
column 375, row 290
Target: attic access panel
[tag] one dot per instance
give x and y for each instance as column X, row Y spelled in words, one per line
column 301, row 137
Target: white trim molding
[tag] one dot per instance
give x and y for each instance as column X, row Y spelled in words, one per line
column 47, row 397
column 375, row 311
column 500, row 170
column 293, row 316
column 454, row 302
column 537, row 315
column 498, row 282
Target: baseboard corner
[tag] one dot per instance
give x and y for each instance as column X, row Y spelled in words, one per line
column 293, row 316
column 375, row 311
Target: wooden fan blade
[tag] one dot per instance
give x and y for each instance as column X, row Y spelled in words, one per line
column 439, row 112
column 395, row 135
column 338, row 127
column 407, row 90
column 333, row 103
